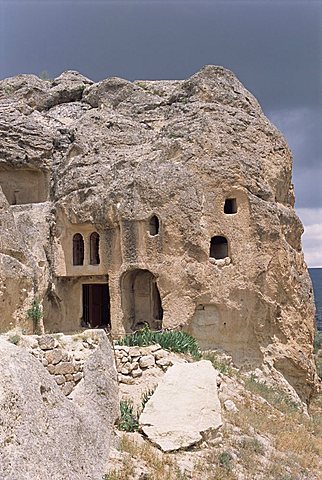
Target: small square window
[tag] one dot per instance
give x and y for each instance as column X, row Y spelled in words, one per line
column 230, row 206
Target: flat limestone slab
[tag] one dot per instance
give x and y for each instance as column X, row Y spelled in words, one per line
column 184, row 405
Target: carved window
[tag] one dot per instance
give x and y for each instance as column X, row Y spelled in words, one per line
column 78, row 249
column 218, row 247
column 230, row 206
column 154, row 225
column 94, row 241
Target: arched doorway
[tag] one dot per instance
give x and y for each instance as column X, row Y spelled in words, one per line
column 141, row 301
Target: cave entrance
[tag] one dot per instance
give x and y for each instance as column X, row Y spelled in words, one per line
column 96, row 305
column 141, row 300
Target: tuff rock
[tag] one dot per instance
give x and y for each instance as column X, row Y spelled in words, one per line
column 45, row 435
column 110, row 157
column 184, row 407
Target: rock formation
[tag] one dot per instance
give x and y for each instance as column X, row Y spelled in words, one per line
column 184, row 406
column 166, row 202
column 45, row 435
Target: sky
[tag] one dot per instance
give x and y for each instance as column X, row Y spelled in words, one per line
column 274, row 48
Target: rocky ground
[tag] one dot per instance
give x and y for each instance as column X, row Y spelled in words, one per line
column 266, row 434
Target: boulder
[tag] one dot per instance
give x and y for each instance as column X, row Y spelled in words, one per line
column 45, row 435
column 184, row 406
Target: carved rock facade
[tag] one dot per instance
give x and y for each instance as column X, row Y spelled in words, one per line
column 167, row 202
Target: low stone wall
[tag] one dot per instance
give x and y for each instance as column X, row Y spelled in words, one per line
column 62, row 355
column 131, row 362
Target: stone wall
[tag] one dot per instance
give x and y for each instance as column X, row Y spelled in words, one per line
column 131, row 362
column 62, row 355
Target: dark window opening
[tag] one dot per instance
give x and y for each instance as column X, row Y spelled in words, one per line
column 154, row 225
column 96, row 305
column 94, row 241
column 218, row 247
column 230, row 206
column 78, row 249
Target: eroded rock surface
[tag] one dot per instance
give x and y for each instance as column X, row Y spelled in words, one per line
column 184, row 406
column 78, row 157
column 45, row 435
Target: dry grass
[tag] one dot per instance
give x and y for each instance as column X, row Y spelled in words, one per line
column 266, row 439
column 215, row 466
column 297, row 437
column 160, row 466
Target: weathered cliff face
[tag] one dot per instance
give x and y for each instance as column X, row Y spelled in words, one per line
column 105, row 158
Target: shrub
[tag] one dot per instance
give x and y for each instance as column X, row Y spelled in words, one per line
column 129, row 420
column 35, row 314
column 175, row 341
column 225, row 460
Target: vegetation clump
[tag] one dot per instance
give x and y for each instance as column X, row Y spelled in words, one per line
column 129, row 420
column 273, row 396
column 220, row 364
column 174, row 341
column 15, row 339
column 35, row 314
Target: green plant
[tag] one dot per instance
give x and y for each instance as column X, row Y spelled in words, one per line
column 274, row 396
column 220, row 364
column 15, row 339
column 129, row 420
column 142, row 85
column 8, row 89
column 81, row 87
column 225, row 460
column 252, row 446
column 35, row 314
column 145, row 397
column 112, row 475
column 175, row 341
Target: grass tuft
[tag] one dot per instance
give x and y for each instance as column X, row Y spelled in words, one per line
column 220, row 364
column 174, row 341
column 15, row 339
column 129, row 420
column 275, row 397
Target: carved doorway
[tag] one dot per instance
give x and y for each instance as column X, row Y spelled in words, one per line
column 96, row 305
column 141, row 300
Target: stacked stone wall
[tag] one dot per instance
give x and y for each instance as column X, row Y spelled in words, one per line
column 131, row 362
column 62, row 355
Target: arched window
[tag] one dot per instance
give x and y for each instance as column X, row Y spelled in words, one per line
column 218, row 247
column 154, row 225
column 94, row 241
column 230, row 206
column 78, row 249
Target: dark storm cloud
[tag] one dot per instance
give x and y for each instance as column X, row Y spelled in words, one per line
column 302, row 128
column 273, row 47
